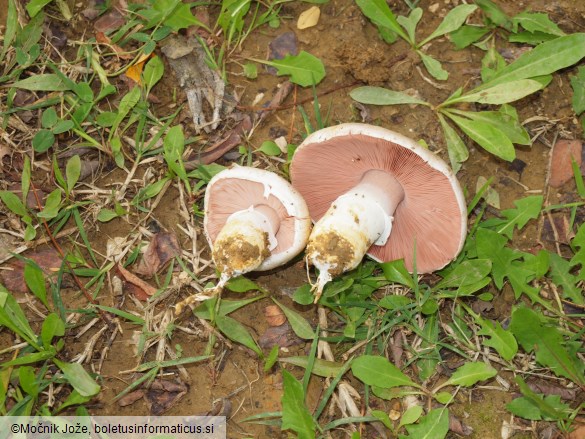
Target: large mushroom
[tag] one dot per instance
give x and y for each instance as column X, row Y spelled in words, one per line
column 254, row 221
column 371, row 190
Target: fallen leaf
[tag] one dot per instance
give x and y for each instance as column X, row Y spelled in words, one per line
column 163, row 394
column 578, row 432
column 279, row 97
column 309, row 18
column 274, row 315
column 131, row 398
column 558, row 230
column 283, row 45
column 109, row 22
column 490, row 195
column 135, row 70
column 46, row 258
column 458, row 427
column 163, row 247
column 282, row 336
column 552, row 389
column 221, row 407
column 561, row 169
column 136, row 281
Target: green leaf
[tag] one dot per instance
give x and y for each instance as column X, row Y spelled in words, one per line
column 380, row 14
column 494, row 13
column 435, row 425
column 128, row 102
column 12, row 28
column 35, row 281
column 73, row 171
column 237, row 332
column 544, row 59
column 83, row 91
column 410, row 23
column 378, row 371
column 532, row 38
column 42, row 82
column 49, row 118
column 468, row 272
column 560, row 273
column 52, row 203
column 322, row 368
column 382, row 96
column 13, row 203
column 180, row 18
column 269, row 148
column 241, row 284
column 452, row 21
column 578, row 259
column 536, row 22
column 295, row 414
column 53, row 326
column 250, row 70
column 43, row 140
column 304, row 69
column 547, row 342
column 501, row 340
column 433, row 66
column 471, row 373
column 63, row 126
column 303, row 295
column 410, row 415
column 77, row 376
column 28, row 380
column 458, row 152
column 393, row 302
column 106, row 215
column 549, row 407
column 487, row 136
column 443, row 397
column 271, row 358
column 12, row 317
column 429, row 355
column 395, row 271
column 527, row 208
column 466, row 35
column 153, row 72
column 35, row 6
column 502, row 93
column 299, row 324
column 578, row 86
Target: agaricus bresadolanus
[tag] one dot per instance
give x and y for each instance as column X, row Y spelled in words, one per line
column 371, row 190
column 254, row 221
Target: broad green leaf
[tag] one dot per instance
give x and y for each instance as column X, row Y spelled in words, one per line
column 11, row 30
column 547, row 342
column 378, row 371
column 30, row 358
column 53, row 326
column 34, row 6
column 443, row 397
column 544, row 59
column 458, row 152
column 106, row 215
column 295, row 414
column 410, row 23
column 128, row 102
column 250, row 70
column 303, row 295
column 532, row 38
column 452, row 21
column 35, row 281
column 550, row 407
column 12, row 317
column 43, row 140
column 578, row 85
column 495, row 14
column 73, row 171
column 470, row 373
column 410, row 415
column 501, row 340
column 491, row 63
column 560, row 273
column 297, row 322
column 381, row 15
column 466, row 35
column 435, row 425
column 153, row 72
column 28, row 380
column 13, row 203
column 63, row 126
column 527, row 208
column 393, row 302
column 83, row 91
column 77, row 376
column 502, row 93
column 241, row 284
column 271, row 358
column 49, row 118
column 487, row 136
column 304, row 69
column 237, row 332
column 74, row 398
column 322, row 368
column 41, row 82
column 528, row 408
column 466, row 273
column 578, row 243
column 433, row 66
column 269, row 148
column 536, row 22
column 395, row 271
column 429, row 355
column 382, row 96
column 52, row 203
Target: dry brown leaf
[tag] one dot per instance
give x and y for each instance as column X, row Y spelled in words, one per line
column 561, row 169
column 578, row 432
column 135, row 70
column 163, row 394
column 274, row 315
column 282, row 336
column 458, row 427
column 111, row 21
column 46, row 258
column 163, row 247
column 309, row 18
column 136, row 281
column 131, row 398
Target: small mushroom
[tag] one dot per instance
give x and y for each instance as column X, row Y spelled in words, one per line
column 254, row 221
column 371, row 190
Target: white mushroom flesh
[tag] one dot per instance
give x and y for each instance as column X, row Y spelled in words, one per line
column 355, row 221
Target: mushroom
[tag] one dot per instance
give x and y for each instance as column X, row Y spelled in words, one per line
column 254, row 221
column 371, row 190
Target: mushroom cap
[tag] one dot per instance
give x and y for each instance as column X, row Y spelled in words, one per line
column 432, row 216
column 239, row 188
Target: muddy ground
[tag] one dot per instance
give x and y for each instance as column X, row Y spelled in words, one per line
column 353, row 54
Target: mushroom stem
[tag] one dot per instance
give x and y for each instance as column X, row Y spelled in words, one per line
column 357, row 219
column 245, row 240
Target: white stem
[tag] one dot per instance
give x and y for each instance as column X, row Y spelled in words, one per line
column 245, row 240
column 357, row 219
